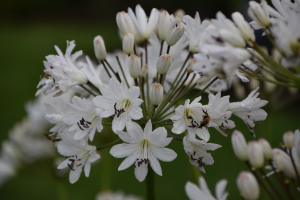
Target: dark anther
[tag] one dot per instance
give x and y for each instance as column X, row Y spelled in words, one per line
column 118, row 112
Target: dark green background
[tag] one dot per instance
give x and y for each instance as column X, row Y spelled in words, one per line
column 29, row 31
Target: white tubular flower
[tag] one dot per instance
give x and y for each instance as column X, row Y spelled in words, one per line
column 163, row 25
column 259, row 13
column 120, row 101
column 128, row 43
column 239, row 145
column 278, row 159
column 288, row 139
column 194, row 30
column 256, row 154
column 61, row 72
column 55, row 117
column 248, row 186
column 218, row 114
column 93, row 73
column 142, row 25
column 163, row 64
column 134, row 65
column 196, row 150
column 156, row 94
column 175, row 35
column 203, row 193
column 83, row 118
column 228, row 31
column 190, row 117
column 249, row 109
column 246, row 31
column 124, row 23
column 266, row 148
column 143, row 147
column 99, row 46
column 81, row 154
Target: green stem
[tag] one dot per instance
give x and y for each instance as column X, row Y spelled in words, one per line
column 150, row 184
column 62, row 190
column 201, row 92
column 92, row 86
column 89, row 91
column 122, row 71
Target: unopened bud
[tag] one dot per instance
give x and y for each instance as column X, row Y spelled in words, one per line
column 239, row 145
column 288, row 139
column 278, row 159
column 163, row 25
column 156, row 93
column 163, row 63
column 124, row 23
column 179, row 13
column 246, row 31
column 233, row 39
column 256, row 154
column 134, row 65
column 259, row 13
column 266, row 148
column 175, row 35
column 248, row 186
column 144, row 71
column 128, row 43
column 99, row 47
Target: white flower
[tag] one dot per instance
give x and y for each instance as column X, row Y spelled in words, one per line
column 259, row 13
column 83, row 118
column 144, row 27
column 120, row 101
column 124, row 23
column 175, row 31
column 203, row 193
column 246, row 31
column 256, row 154
column 99, row 47
column 81, row 154
column 107, row 195
column 156, row 93
column 196, row 150
column 61, row 72
column 143, row 147
column 194, row 30
column 228, row 31
column 239, row 145
column 163, row 24
column 134, row 65
column 249, row 109
column 128, row 43
column 190, row 117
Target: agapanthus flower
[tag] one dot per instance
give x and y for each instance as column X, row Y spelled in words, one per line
column 61, row 72
column 249, row 109
column 83, row 118
column 80, row 154
column 120, row 101
column 196, row 150
column 143, row 147
column 203, row 193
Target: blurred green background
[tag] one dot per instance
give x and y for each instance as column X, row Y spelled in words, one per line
column 28, row 32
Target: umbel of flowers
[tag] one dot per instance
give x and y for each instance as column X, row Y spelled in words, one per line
column 141, row 92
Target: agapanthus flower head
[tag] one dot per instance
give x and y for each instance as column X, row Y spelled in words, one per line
column 143, row 147
column 61, row 72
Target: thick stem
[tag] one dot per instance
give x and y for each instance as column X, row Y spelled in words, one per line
column 89, row 91
column 175, row 138
column 168, row 49
column 150, row 184
column 259, row 180
column 92, row 86
column 270, row 183
column 141, row 81
column 118, row 77
column 146, row 52
column 153, row 110
column 161, row 47
column 136, row 82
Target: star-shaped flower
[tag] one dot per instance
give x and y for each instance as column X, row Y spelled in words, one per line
column 143, row 147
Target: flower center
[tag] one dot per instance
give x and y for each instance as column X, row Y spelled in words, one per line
column 143, row 153
column 78, row 160
column 190, row 118
column 122, row 107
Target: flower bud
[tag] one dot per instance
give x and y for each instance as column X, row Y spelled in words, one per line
column 239, row 145
column 144, row 71
column 256, row 154
column 163, row 25
column 179, row 13
column 156, row 94
column 247, row 185
column 124, row 23
column 259, row 13
column 128, row 43
column 246, row 31
column 288, row 139
column 163, row 63
column 134, row 65
column 234, row 39
column 278, row 159
column 99, row 47
column 266, row 148
column 175, row 35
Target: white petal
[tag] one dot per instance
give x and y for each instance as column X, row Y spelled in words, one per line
column 164, row 154
column 155, row 165
column 87, row 169
column 141, row 172
column 128, row 161
column 220, row 189
column 123, row 150
column 118, row 123
column 193, row 191
column 74, row 175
